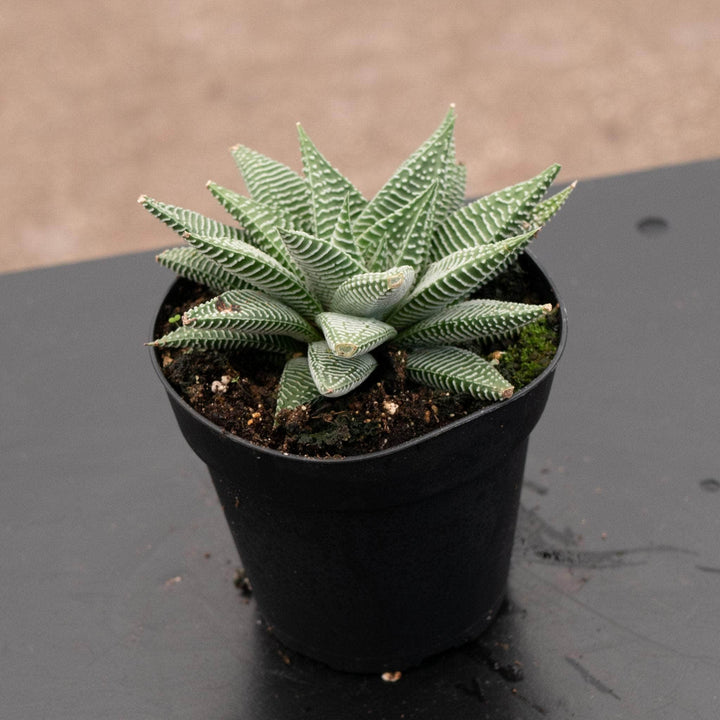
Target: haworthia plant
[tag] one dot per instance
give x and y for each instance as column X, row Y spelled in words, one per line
column 311, row 264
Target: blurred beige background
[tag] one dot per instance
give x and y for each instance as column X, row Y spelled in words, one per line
column 101, row 101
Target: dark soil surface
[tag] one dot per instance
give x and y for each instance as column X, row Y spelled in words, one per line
column 237, row 390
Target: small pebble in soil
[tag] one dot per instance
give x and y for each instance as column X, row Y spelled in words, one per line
column 391, row 677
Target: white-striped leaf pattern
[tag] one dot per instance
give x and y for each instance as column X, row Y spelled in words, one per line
column 342, row 236
column 459, row 371
column 250, row 311
column 471, row 320
column 451, row 191
column 454, row 277
column 329, row 189
column 373, row 294
column 348, row 335
column 545, row 210
column 296, row 386
column 192, row 264
column 453, row 196
column 425, row 166
column 182, row 220
column 494, row 217
column 259, row 270
column 335, row 376
column 224, row 339
column 403, row 237
column 324, row 265
column 271, row 183
column 259, row 221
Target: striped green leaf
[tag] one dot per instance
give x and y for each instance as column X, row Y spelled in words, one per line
column 181, row 220
column 224, row 339
column 249, row 311
column 545, row 210
column 452, row 180
column 297, row 386
column 494, row 217
column 192, row 264
column 426, row 165
column 271, row 183
column 471, row 320
column 259, row 221
column 453, row 196
column 335, row 376
column 403, row 237
column 259, row 270
column 459, row 371
column 456, row 276
column 324, row 265
column 328, row 188
column 347, row 335
column 373, row 294
column 342, row 236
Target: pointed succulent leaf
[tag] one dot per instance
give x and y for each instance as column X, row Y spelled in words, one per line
column 328, row 188
column 412, row 242
column 260, row 222
column 545, row 210
column 454, row 277
column 452, row 180
column 347, row 335
column 259, row 270
column 426, row 165
column 271, row 183
column 471, row 320
column 181, row 220
column 323, row 264
column 192, row 264
column 250, row 311
column 494, row 217
column 224, row 339
column 403, row 237
column 335, row 376
column 297, row 386
column 373, row 294
column 453, row 197
column 459, row 371
column 342, row 236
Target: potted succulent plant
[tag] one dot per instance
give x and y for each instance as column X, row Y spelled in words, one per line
column 368, row 561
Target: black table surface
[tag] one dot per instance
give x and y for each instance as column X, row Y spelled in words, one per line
column 116, row 567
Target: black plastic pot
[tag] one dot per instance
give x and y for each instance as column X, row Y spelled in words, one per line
column 377, row 561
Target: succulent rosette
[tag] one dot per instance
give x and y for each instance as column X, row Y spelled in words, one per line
column 312, row 269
